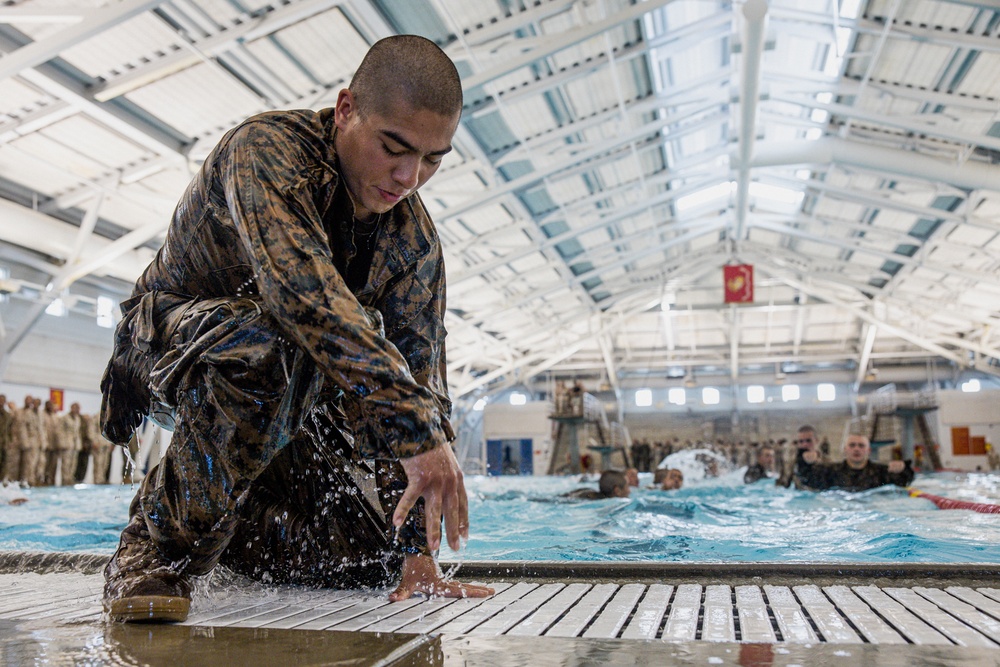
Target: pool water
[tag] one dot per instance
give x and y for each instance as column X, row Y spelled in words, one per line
column 709, row 520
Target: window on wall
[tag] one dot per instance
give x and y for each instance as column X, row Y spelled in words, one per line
column 677, row 396
column 790, row 392
column 755, row 394
column 517, row 398
column 826, row 392
column 105, row 312
column 643, row 398
column 971, row 386
column 710, row 396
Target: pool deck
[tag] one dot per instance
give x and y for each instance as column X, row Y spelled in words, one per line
column 543, row 614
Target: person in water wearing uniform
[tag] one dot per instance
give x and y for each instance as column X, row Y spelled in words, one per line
column 855, row 473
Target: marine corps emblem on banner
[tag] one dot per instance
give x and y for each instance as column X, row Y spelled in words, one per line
column 737, row 281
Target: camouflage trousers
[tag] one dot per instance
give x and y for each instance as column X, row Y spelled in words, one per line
column 261, row 473
column 11, row 462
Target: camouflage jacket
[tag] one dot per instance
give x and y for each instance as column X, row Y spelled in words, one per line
column 820, row 476
column 265, row 218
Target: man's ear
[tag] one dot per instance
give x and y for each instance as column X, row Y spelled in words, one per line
column 345, row 109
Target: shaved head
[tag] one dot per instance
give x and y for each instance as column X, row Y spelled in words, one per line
column 407, row 68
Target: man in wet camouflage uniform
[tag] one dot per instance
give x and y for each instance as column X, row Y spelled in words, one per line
column 855, row 472
column 291, row 331
column 763, row 467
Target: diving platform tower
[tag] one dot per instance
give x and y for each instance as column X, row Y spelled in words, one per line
column 581, row 428
column 900, row 418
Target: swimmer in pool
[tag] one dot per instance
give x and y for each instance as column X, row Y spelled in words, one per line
column 613, row 484
column 668, row 479
column 763, row 468
column 855, row 473
column 12, row 494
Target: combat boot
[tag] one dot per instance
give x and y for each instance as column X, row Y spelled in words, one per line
column 140, row 586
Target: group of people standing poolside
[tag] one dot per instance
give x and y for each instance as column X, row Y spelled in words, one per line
column 41, row 446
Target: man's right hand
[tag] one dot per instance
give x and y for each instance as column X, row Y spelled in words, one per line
column 810, row 455
column 437, row 478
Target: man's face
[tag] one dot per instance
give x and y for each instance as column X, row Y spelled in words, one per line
column 766, row 458
column 385, row 158
column 674, row 480
column 807, row 440
column 857, row 449
column 74, row 409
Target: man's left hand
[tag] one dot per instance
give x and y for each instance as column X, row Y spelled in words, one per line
column 896, row 466
column 421, row 574
column 437, row 477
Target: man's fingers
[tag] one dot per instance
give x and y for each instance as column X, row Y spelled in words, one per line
column 451, row 522
column 406, row 502
column 463, row 511
column 432, row 514
column 455, row 589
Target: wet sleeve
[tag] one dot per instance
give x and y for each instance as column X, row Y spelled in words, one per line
column 816, row 476
column 269, row 175
column 421, row 338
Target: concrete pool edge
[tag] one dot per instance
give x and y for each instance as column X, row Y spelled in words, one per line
column 91, row 563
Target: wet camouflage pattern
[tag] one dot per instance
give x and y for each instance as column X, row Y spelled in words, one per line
column 754, row 473
column 821, row 476
column 52, row 428
column 28, row 438
column 288, row 394
column 100, row 448
column 257, row 222
column 7, row 446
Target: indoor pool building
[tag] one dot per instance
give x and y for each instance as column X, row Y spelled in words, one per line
column 705, row 295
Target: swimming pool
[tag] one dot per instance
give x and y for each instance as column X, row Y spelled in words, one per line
column 718, row 520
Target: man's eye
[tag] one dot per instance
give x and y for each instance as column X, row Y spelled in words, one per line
column 390, row 151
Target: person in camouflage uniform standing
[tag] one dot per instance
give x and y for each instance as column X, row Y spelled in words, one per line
column 855, row 472
column 30, row 441
column 6, row 435
column 291, row 332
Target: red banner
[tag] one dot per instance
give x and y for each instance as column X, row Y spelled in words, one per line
column 737, row 282
column 56, row 396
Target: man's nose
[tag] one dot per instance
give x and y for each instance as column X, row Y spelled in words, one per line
column 407, row 174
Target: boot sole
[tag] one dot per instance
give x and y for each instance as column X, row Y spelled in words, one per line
column 149, row 609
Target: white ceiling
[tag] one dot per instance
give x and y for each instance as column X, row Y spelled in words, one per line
column 613, row 157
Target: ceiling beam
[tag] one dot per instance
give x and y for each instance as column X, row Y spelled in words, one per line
column 561, row 41
column 866, row 354
column 864, row 314
column 97, row 21
column 979, row 278
column 826, row 151
column 754, row 31
column 193, row 51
